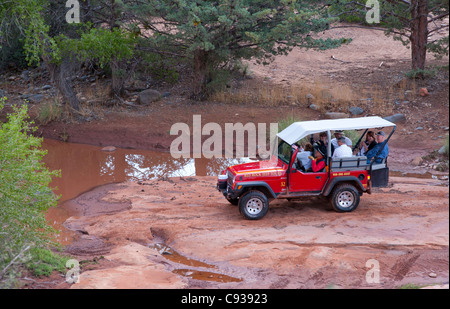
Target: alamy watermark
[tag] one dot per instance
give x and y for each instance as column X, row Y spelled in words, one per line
column 73, row 274
column 73, row 14
column 373, row 274
column 238, row 140
column 373, row 14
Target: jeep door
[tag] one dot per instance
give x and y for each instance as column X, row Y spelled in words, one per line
column 305, row 182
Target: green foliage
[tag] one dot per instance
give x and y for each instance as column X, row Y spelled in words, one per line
column 50, row 112
column 27, row 16
column 12, row 51
column 353, row 135
column 42, row 262
column 212, row 35
column 101, row 45
column 159, row 67
column 25, row 194
column 286, row 122
column 419, row 73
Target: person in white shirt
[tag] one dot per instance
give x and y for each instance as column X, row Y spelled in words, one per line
column 303, row 156
column 343, row 151
column 334, row 142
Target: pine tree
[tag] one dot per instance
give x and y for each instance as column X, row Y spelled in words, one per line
column 213, row 34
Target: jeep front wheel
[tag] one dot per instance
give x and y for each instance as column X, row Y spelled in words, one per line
column 254, row 205
column 345, row 198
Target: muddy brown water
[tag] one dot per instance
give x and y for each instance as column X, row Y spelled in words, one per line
column 85, row 167
column 203, row 275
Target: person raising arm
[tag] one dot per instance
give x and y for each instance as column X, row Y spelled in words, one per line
column 318, row 163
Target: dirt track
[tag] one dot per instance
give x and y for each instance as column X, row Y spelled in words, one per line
column 155, row 236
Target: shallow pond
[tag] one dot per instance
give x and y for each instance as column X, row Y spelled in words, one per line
column 85, row 167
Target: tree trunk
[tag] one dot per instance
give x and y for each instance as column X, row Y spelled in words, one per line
column 118, row 79
column 419, row 33
column 58, row 73
column 201, row 75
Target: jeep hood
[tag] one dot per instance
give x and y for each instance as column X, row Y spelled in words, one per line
column 257, row 167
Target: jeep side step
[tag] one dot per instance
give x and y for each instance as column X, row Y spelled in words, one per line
column 300, row 194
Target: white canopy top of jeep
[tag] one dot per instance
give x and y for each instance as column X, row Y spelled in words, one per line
column 299, row 130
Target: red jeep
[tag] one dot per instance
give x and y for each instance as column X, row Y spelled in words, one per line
column 252, row 185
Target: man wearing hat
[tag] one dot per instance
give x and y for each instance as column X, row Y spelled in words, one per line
column 334, row 142
column 381, row 144
column 343, row 151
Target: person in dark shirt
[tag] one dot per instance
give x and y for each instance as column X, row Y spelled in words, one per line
column 381, row 144
column 368, row 144
column 322, row 143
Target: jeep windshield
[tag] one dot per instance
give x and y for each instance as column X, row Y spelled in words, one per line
column 284, row 152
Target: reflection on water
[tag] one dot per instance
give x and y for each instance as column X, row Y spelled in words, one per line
column 85, row 167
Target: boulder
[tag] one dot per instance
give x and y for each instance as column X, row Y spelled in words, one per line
column 335, row 115
column 356, row 110
column 417, row 161
column 423, row 92
column 109, row 149
column 148, row 96
column 32, row 98
column 314, row 107
column 397, row 118
column 309, row 97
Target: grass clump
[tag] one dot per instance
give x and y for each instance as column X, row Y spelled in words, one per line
column 43, row 262
column 49, row 112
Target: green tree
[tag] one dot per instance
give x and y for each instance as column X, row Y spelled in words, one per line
column 106, row 47
column 29, row 17
column 25, row 194
column 213, row 34
column 415, row 23
column 47, row 36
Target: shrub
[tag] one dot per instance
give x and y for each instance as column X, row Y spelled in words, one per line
column 25, row 194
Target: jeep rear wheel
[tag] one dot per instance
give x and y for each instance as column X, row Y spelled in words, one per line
column 345, row 198
column 254, row 205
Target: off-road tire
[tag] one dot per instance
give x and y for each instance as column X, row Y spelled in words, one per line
column 345, row 198
column 254, row 205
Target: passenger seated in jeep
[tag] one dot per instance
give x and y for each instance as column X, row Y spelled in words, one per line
column 318, row 164
column 381, row 137
column 303, row 157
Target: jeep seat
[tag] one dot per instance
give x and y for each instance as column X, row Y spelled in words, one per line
column 349, row 164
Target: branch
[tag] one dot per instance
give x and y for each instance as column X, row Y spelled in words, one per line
column 13, row 261
column 436, row 29
column 403, row 1
column 372, row 28
column 438, row 17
